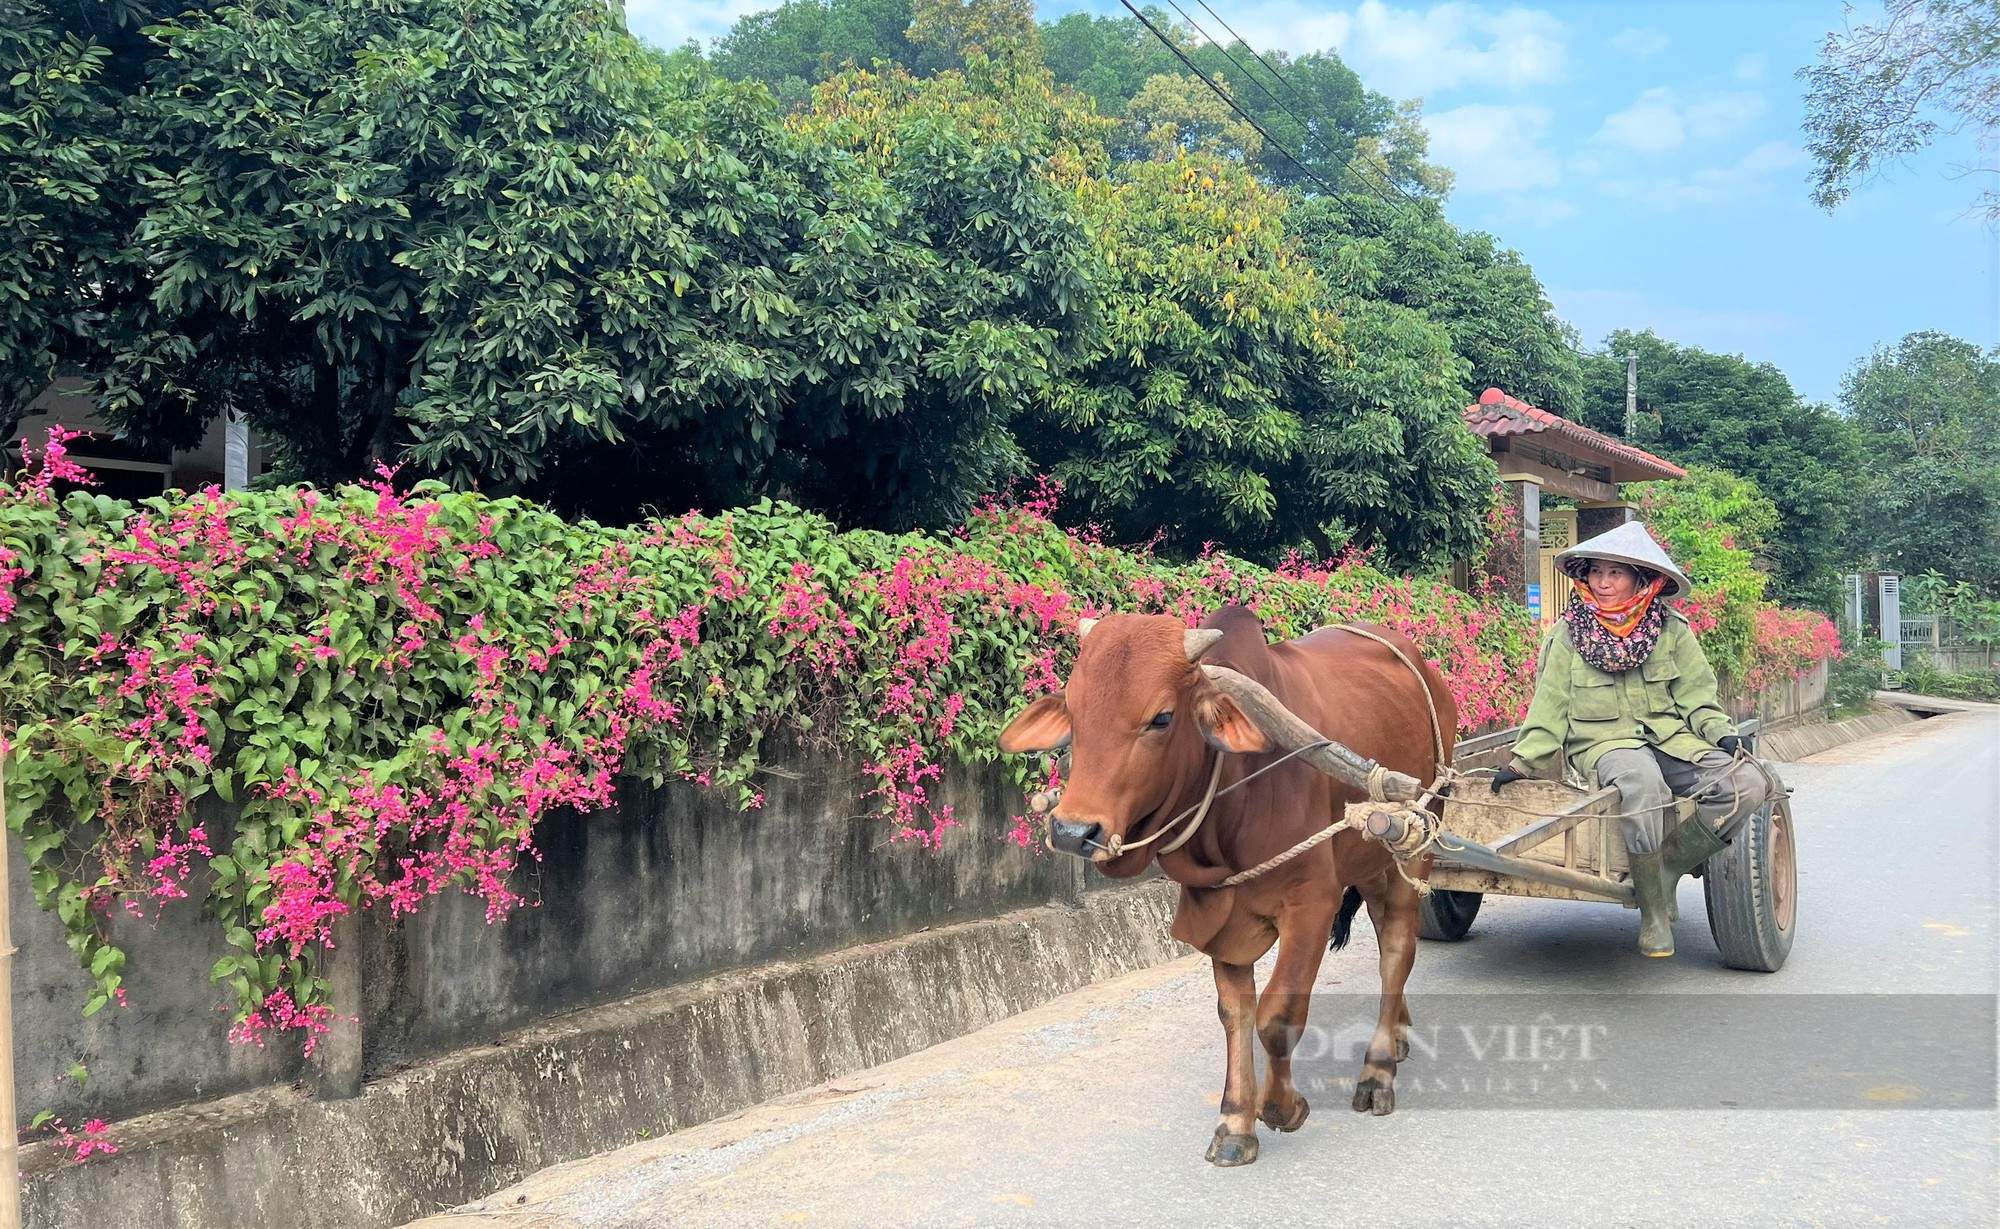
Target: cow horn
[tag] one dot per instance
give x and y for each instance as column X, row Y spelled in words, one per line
column 1083, row 627
column 1199, row 640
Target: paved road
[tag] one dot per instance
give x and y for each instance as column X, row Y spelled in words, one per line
column 1095, row 1109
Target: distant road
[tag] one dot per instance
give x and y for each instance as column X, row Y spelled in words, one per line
column 1732, row 1102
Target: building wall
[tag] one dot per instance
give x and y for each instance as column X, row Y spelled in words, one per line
column 122, row 470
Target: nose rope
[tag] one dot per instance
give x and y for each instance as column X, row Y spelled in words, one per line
column 1199, row 811
column 1116, row 845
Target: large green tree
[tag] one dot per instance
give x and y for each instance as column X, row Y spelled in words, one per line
column 1237, row 397
column 504, row 240
column 493, row 234
column 1929, row 411
column 1313, row 106
column 1724, row 412
column 1492, row 309
column 795, row 46
column 956, row 300
column 66, row 68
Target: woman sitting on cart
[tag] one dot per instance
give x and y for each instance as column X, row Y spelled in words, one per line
column 1624, row 689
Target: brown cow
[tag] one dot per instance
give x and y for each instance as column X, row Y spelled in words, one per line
column 1144, row 727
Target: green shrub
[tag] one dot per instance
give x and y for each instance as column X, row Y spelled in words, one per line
column 1921, row 676
column 1855, row 676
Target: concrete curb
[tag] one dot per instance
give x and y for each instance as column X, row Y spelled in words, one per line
column 1931, row 706
column 1799, row 742
column 448, row 1132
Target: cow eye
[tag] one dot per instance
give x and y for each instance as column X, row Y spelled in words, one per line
column 1162, row 719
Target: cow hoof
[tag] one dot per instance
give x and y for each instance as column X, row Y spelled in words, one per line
column 1402, row 1049
column 1374, row 1097
column 1269, row 1115
column 1227, row 1150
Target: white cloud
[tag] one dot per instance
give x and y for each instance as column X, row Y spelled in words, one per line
column 1495, row 148
column 1641, row 42
column 1415, row 52
column 1748, row 177
column 1652, row 123
column 1750, row 67
column 1660, row 120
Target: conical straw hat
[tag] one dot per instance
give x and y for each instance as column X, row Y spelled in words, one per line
column 1629, row 543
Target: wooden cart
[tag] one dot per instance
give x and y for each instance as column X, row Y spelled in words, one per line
column 1547, row 840
column 1566, row 849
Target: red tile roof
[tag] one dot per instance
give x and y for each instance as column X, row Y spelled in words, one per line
column 1495, row 413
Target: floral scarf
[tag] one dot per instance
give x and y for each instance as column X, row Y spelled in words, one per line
column 1616, row 638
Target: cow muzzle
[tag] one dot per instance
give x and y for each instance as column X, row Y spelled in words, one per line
column 1070, row 837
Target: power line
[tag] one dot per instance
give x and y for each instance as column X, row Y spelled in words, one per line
column 1268, row 66
column 1368, row 182
column 1235, row 63
column 1304, row 124
column 1338, row 196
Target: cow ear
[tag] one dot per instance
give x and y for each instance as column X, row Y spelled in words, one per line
column 1225, row 727
column 1042, row 726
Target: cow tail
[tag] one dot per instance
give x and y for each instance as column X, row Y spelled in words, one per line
column 1343, row 922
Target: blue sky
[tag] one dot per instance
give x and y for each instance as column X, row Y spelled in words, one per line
column 1646, row 158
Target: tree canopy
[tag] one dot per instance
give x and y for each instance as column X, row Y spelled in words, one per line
column 1486, row 299
column 1928, row 410
column 524, row 251
column 63, row 168
column 1724, row 412
column 1312, row 105
column 1881, row 92
column 793, row 47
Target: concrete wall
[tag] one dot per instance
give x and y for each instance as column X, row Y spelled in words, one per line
column 669, row 887
column 481, row 1118
column 1956, row 658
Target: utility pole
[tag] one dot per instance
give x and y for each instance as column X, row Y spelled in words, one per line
column 1631, row 395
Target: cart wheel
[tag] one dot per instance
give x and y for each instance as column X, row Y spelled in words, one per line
column 1447, row 916
column 1752, row 892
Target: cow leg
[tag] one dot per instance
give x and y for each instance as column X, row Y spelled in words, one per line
column 1281, row 1012
column 1235, row 1141
column 1392, row 907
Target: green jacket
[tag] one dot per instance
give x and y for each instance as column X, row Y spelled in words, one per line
column 1668, row 702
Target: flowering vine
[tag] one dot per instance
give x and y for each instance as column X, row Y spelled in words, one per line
column 394, row 687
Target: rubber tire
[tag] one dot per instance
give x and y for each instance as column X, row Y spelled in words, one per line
column 1739, row 886
column 1447, row 916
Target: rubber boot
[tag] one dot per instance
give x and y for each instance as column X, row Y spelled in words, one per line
column 1649, row 883
column 1689, row 845
column 1686, row 847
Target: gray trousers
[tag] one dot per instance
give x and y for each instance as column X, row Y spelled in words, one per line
column 1726, row 791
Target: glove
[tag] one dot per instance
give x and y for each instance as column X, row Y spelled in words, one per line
column 1730, row 743
column 1504, row 776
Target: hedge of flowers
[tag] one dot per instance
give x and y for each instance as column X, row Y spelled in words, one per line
column 394, row 687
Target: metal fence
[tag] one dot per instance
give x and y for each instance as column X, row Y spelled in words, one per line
column 1941, row 640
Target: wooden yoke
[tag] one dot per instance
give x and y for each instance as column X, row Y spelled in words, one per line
column 1284, row 727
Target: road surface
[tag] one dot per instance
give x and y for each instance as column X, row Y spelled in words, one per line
column 1853, row 1088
